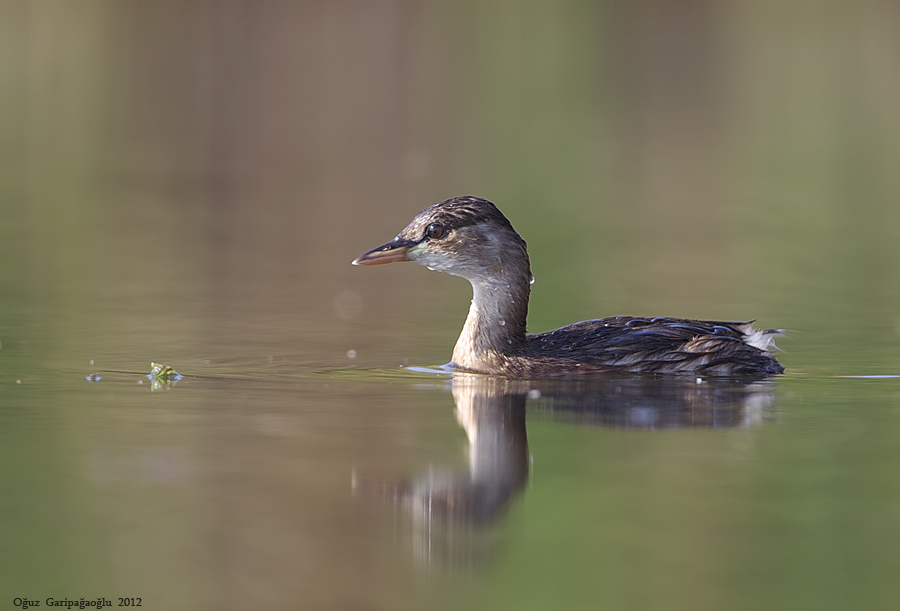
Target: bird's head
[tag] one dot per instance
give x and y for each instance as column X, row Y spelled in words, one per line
column 463, row 236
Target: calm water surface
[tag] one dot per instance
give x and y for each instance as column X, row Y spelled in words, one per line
column 280, row 469
column 188, row 185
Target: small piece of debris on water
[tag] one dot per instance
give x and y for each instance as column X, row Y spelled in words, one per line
column 162, row 376
column 163, row 372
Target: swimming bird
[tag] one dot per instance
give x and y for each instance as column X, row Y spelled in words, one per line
column 469, row 237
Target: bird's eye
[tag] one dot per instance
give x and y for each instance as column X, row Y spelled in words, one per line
column 435, row 231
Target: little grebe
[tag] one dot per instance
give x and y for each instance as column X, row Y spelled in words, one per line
column 470, row 237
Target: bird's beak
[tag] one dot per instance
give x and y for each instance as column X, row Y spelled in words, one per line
column 395, row 250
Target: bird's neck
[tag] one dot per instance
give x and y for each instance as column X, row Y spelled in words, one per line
column 495, row 326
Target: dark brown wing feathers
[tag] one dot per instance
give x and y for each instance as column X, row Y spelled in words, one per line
column 657, row 345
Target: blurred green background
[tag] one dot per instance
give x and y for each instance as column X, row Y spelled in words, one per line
column 696, row 159
column 187, row 182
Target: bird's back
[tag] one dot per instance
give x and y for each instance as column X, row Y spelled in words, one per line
column 652, row 345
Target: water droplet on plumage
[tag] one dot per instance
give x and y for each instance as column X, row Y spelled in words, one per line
column 502, row 323
column 431, row 269
column 531, row 280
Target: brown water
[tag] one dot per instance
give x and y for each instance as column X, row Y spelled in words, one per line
column 186, row 183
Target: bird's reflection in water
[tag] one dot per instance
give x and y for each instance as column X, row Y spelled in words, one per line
column 657, row 402
column 446, row 516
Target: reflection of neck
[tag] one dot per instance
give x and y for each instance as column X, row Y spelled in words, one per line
column 494, row 421
column 496, row 320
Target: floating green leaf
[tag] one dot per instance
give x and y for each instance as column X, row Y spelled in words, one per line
column 162, row 375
